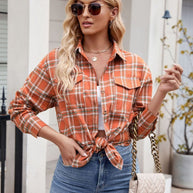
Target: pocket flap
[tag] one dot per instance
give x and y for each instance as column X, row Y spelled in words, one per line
column 128, row 83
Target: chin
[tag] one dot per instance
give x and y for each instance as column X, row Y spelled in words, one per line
column 88, row 32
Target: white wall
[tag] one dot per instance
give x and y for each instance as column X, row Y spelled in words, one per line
column 57, row 15
column 28, row 25
column 126, row 15
column 15, row 80
column 187, row 64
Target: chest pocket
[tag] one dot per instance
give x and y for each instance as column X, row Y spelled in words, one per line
column 75, row 96
column 124, row 92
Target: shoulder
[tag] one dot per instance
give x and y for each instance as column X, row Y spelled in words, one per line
column 131, row 57
column 137, row 64
column 51, row 59
column 134, row 59
column 46, row 67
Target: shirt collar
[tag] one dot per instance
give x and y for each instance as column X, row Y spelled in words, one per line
column 79, row 49
column 116, row 51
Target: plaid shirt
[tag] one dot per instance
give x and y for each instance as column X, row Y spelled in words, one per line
column 126, row 86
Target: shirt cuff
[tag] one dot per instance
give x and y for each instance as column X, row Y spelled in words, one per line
column 146, row 123
column 32, row 125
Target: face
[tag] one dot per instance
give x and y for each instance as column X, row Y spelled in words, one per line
column 95, row 16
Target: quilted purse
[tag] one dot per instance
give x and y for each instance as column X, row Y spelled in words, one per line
column 146, row 182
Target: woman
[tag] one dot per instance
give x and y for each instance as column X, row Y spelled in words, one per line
column 97, row 89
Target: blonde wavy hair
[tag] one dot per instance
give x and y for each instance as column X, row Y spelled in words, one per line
column 66, row 71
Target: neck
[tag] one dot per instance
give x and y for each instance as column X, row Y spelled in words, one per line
column 96, row 43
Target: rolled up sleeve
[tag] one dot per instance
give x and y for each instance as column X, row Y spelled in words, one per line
column 35, row 96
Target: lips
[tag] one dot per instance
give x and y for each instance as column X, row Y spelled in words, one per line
column 87, row 24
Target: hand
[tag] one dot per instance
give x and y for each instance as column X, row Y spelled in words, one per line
column 171, row 80
column 68, row 148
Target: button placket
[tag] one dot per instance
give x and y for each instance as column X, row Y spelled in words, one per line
column 102, row 91
column 105, row 112
column 103, row 98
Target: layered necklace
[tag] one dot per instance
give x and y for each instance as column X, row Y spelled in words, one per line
column 95, row 58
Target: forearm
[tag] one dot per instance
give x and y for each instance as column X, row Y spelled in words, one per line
column 50, row 134
column 155, row 104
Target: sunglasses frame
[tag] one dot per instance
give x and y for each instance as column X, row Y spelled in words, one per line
column 84, row 6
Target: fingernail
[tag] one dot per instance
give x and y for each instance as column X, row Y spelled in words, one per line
column 84, row 154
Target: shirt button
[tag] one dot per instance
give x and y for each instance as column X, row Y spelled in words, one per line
column 102, row 91
column 105, row 112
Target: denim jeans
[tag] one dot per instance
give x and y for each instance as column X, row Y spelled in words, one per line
column 97, row 176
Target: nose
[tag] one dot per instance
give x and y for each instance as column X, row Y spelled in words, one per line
column 85, row 11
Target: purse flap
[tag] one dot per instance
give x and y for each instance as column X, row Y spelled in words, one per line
column 150, row 183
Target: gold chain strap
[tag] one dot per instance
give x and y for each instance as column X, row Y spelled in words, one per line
column 155, row 152
column 154, row 148
column 134, row 147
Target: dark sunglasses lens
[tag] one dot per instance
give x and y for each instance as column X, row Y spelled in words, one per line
column 94, row 8
column 77, row 9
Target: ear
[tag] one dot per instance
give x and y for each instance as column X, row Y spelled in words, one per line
column 114, row 13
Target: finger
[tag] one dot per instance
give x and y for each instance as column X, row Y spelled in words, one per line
column 174, row 84
column 167, row 79
column 67, row 163
column 80, row 150
column 174, row 72
column 179, row 68
column 172, row 79
column 69, row 160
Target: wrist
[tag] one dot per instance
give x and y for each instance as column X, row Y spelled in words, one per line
column 52, row 135
column 155, row 104
column 162, row 93
column 57, row 138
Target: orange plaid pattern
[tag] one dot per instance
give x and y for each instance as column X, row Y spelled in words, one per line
column 126, row 87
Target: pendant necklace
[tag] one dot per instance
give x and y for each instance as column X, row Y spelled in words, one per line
column 94, row 58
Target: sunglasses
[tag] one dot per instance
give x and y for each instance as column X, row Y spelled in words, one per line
column 93, row 8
